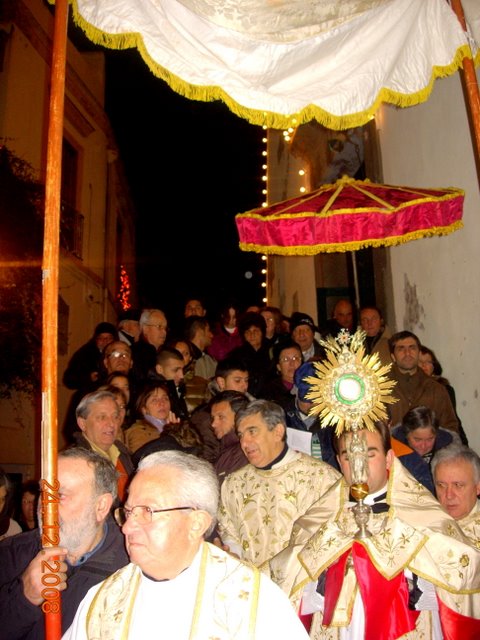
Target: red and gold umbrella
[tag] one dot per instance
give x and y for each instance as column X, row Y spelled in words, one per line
column 349, row 215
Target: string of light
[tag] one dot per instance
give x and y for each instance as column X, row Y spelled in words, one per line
column 265, row 204
column 288, row 137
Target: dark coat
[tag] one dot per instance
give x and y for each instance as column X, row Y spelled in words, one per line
column 21, row 620
column 231, row 456
column 84, row 362
column 144, row 357
column 202, row 421
column 258, row 364
column 78, row 375
column 324, row 435
column 275, row 391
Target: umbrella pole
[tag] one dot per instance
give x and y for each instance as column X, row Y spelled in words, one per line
column 355, row 280
column 49, row 431
column 471, row 83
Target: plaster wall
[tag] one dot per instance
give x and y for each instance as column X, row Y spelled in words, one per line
column 23, row 104
column 291, row 279
column 435, row 280
column 86, row 287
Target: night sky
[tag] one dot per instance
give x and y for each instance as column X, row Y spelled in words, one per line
column 191, row 167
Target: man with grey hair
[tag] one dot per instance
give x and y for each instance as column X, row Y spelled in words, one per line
column 177, row 582
column 261, row 501
column 153, row 328
column 456, row 474
column 91, row 548
column 98, row 417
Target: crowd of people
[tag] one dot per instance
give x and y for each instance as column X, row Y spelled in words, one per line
column 197, row 443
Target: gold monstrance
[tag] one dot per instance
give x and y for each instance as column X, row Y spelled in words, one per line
column 349, row 391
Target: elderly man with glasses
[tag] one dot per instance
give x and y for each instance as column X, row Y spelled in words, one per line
column 117, row 357
column 176, row 583
column 153, row 326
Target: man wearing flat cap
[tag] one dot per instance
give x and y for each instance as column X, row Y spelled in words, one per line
column 129, row 326
column 303, row 331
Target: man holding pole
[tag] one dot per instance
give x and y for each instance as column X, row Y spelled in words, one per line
column 91, row 548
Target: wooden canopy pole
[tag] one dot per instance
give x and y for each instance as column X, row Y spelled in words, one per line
column 49, row 484
column 470, row 78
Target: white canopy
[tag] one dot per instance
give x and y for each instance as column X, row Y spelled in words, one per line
column 273, row 61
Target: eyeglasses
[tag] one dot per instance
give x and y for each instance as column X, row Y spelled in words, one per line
column 290, row 359
column 157, row 326
column 118, row 354
column 141, row 513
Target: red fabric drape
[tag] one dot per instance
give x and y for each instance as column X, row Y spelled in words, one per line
column 385, row 602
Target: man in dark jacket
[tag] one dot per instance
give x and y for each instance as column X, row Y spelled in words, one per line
column 91, row 548
column 84, row 371
column 299, row 418
column 169, row 369
column 223, row 409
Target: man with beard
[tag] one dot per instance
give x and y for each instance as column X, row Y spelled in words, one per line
column 414, row 388
column 91, row 548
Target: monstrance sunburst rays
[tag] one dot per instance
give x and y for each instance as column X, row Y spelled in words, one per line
column 350, row 389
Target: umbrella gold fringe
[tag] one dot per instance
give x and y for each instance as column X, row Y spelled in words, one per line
column 351, row 246
column 268, row 118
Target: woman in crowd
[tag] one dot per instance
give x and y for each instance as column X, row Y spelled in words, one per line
column 157, row 424
column 273, row 319
column 122, row 382
column 254, row 351
column 287, row 358
column 429, row 364
column 8, row 526
column 27, row 511
column 416, row 440
column 225, row 334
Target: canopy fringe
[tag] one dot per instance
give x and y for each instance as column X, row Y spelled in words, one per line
column 267, row 118
column 351, row 246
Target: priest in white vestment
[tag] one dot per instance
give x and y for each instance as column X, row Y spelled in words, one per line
column 261, row 501
column 177, row 586
column 417, row 576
